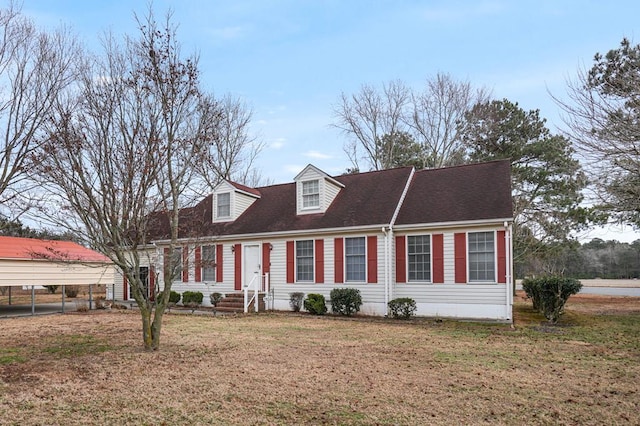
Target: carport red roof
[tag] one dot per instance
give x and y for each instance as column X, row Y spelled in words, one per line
column 33, row 249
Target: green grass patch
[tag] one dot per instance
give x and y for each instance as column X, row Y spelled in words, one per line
column 10, row 356
column 75, row 345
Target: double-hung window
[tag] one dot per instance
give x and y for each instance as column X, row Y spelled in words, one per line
column 482, row 263
column 224, row 205
column 355, row 259
column 419, row 257
column 208, row 263
column 304, row 261
column 176, row 263
column 310, row 194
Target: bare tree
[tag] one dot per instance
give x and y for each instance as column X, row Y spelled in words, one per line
column 120, row 152
column 233, row 150
column 366, row 117
column 603, row 114
column 434, row 117
column 34, row 67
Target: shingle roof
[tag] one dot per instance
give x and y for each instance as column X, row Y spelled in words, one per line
column 33, row 249
column 460, row 193
column 470, row 192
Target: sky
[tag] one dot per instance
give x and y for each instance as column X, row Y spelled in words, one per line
column 290, row 60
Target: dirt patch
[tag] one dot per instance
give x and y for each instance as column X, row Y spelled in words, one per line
column 301, row 369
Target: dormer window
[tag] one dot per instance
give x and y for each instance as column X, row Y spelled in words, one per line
column 310, row 194
column 224, row 205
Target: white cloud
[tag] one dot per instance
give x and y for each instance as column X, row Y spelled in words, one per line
column 278, row 143
column 317, row 155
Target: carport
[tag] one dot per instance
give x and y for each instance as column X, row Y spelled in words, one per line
column 32, row 262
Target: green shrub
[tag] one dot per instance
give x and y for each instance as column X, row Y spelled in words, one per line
column 550, row 294
column 71, row 291
column 295, row 300
column 51, row 288
column 345, row 301
column 215, row 298
column 192, row 298
column 402, row 307
column 174, row 297
column 315, row 304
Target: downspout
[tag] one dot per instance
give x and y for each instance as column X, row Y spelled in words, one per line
column 389, row 281
column 509, row 269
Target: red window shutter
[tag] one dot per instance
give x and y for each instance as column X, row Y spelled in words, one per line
column 460, row 253
column 219, row 263
column 319, row 261
column 437, row 242
column 152, row 283
column 401, row 259
column 198, row 264
column 125, row 287
column 291, row 260
column 502, row 257
column 339, row 260
column 185, row 264
column 237, row 268
column 372, row 259
column 266, row 258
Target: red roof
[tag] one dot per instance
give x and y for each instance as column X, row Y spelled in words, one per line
column 32, row 249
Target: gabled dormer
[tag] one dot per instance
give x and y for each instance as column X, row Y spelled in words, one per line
column 315, row 190
column 231, row 199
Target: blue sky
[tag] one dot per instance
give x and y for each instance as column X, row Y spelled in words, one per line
column 291, row 60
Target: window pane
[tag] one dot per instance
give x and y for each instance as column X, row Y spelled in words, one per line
column 355, row 259
column 208, row 259
column 310, row 194
column 224, row 205
column 304, row 260
column 176, row 263
column 481, row 257
column 419, row 257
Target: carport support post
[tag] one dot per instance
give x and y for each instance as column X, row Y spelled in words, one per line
column 9, row 295
column 33, row 300
column 90, row 297
column 63, row 298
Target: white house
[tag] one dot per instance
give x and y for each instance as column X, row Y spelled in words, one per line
column 440, row 236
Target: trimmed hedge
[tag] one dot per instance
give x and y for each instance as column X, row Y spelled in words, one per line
column 192, row 298
column 215, row 298
column 315, row 304
column 549, row 294
column 402, row 307
column 345, row 301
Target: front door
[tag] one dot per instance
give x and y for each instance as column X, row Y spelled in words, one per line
column 251, row 271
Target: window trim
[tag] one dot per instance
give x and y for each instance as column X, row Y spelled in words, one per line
column 407, row 254
column 495, row 258
column 313, row 261
column 218, row 215
column 344, row 255
column 303, row 195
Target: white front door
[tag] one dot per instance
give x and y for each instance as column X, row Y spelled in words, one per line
column 251, row 270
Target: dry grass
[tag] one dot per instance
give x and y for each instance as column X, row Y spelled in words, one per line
column 299, row 369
